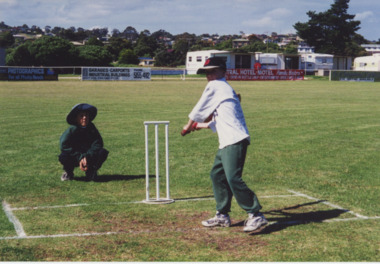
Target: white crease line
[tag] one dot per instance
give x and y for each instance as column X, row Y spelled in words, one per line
column 48, row 207
column 66, row 206
column 121, row 203
column 177, row 230
column 329, row 204
column 13, row 219
column 352, row 219
column 97, row 234
column 298, row 222
column 278, row 196
column 61, row 235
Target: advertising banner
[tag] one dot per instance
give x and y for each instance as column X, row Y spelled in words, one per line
column 264, row 75
column 28, row 74
column 355, row 76
column 115, row 74
column 3, row 74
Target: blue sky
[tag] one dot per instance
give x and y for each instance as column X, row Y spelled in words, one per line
column 179, row 16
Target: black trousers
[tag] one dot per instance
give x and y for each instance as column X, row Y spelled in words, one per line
column 69, row 162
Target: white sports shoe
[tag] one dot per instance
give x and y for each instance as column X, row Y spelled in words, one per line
column 67, row 177
column 218, row 220
column 254, row 222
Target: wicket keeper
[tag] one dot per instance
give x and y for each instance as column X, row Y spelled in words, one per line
column 81, row 144
column 220, row 101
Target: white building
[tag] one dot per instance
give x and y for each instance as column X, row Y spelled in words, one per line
column 312, row 62
column 367, row 63
column 270, row 61
column 196, row 59
column 371, row 48
column 303, row 48
column 145, row 61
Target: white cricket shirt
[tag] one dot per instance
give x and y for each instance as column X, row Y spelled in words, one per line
column 228, row 121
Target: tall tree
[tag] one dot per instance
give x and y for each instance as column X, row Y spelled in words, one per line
column 181, row 47
column 115, row 33
column 128, row 56
column 332, row 31
column 94, row 42
column 92, row 55
column 116, row 45
column 161, row 34
column 145, row 45
column 20, row 56
column 165, row 57
column 99, row 32
column 57, row 30
column 45, row 51
column 6, row 39
column 52, row 51
column 130, row 33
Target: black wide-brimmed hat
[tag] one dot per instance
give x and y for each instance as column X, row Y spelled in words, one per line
column 72, row 116
column 212, row 63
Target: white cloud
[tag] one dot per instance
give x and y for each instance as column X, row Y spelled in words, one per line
column 279, row 13
column 8, row 2
column 178, row 16
column 364, row 15
column 273, row 20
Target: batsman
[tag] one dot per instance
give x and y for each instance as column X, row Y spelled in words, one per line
column 219, row 109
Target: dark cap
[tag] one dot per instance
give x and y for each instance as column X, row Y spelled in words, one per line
column 212, row 63
column 72, row 116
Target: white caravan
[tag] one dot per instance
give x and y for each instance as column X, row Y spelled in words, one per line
column 367, row 63
column 312, row 62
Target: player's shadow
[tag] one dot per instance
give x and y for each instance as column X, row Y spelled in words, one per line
column 115, row 177
column 283, row 218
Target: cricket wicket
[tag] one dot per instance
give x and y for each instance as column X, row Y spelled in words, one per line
column 158, row 200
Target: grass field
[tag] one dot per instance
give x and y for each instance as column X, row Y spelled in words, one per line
column 313, row 162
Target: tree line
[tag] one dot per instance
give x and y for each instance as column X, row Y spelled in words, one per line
column 56, row 48
column 332, row 31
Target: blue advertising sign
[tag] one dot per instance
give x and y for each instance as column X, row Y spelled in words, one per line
column 28, row 74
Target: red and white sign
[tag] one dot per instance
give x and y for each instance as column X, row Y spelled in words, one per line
column 264, row 75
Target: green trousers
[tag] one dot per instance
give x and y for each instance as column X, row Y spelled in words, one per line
column 226, row 177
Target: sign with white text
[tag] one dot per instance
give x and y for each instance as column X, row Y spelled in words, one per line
column 264, row 75
column 115, row 74
column 28, row 74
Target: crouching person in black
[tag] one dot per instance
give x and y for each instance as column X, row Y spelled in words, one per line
column 81, row 144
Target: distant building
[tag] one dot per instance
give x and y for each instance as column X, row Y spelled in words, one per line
column 237, row 60
column 238, row 43
column 196, row 59
column 371, row 48
column 270, row 61
column 303, row 48
column 367, row 63
column 77, row 43
column 144, row 61
column 312, row 62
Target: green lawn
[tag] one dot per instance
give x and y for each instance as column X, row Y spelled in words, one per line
column 318, row 138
